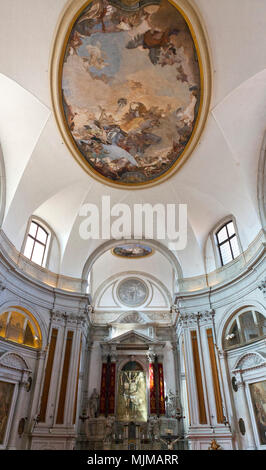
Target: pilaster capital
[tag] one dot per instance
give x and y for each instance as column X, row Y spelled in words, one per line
column 191, row 319
column 63, row 318
column 41, row 354
column 58, row 317
column 88, row 309
column 151, row 356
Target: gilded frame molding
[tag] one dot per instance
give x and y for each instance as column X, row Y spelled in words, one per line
column 131, row 257
column 65, row 24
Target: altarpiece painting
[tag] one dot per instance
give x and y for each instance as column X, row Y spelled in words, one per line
column 6, row 395
column 258, row 395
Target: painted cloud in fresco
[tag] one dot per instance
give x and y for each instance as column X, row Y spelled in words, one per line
column 131, row 89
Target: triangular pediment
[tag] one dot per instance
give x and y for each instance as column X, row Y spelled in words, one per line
column 132, row 337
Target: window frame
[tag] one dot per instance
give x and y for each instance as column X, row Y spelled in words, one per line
column 44, row 226
column 236, row 318
column 212, row 236
column 228, row 239
column 35, row 240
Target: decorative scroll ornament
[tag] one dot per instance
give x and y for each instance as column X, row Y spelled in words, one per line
column 249, row 361
column 133, row 317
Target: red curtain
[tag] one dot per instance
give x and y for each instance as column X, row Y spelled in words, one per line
column 152, row 390
column 161, row 390
column 111, row 392
column 103, row 389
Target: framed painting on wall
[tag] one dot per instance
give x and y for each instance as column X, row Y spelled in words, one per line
column 6, row 395
column 258, row 396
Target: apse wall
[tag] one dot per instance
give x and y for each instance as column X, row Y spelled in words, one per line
column 109, row 265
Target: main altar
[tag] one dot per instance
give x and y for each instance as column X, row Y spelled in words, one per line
column 132, row 410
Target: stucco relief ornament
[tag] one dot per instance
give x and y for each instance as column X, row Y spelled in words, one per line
column 133, row 317
column 132, row 292
column 249, row 361
column 13, row 361
column 109, row 427
column 173, row 406
column 262, row 286
column 154, row 427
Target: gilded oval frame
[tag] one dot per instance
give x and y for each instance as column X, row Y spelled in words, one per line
column 133, row 257
column 64, row 27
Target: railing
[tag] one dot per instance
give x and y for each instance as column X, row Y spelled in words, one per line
column 76, row 285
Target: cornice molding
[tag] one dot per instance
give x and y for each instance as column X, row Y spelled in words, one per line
column 62, row 285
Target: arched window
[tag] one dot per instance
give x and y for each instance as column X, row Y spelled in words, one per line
column 247, row 326
column 20, row 327
column 36, row 243
column 227, row 242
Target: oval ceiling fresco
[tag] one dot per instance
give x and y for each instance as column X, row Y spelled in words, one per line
column 130, row 87
column 132, row 251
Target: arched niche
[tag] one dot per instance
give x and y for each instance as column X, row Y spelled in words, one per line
column 132, row 397
column 19, row 326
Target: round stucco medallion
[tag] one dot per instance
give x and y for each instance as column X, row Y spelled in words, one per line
column 132, row 292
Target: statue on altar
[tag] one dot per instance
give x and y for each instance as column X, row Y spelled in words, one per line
column 94, row 404
column 154, row 428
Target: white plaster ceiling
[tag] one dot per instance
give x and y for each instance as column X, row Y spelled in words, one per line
column 219, row 178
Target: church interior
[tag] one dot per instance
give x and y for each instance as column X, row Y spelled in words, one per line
column 116, row 339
